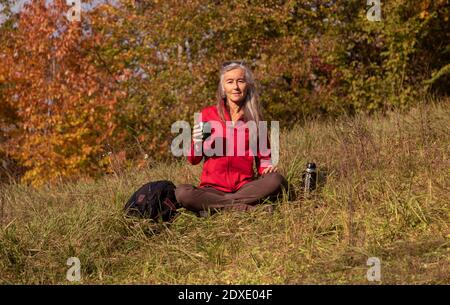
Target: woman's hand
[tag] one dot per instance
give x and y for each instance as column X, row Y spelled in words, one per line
column 270, row 169
column 197, row 135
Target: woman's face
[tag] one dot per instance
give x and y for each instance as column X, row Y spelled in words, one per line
column 235, row 85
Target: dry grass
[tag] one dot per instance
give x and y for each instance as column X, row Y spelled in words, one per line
column 386, row 195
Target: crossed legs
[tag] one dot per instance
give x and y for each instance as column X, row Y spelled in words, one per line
column 200, row 199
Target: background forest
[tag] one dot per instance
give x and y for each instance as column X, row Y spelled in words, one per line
column 88, row 97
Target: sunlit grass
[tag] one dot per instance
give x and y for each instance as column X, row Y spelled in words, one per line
column 384, row 194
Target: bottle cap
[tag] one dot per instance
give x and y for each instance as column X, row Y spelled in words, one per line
column 311, row 165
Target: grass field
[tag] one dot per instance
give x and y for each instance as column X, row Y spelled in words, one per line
column 386, row 195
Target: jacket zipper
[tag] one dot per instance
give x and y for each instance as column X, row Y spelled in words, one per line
column 228, row 161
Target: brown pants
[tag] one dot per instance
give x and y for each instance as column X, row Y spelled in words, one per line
column 200, row 199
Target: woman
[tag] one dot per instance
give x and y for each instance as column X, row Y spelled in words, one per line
column 228, row 180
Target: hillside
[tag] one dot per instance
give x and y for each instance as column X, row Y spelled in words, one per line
column 385, row 195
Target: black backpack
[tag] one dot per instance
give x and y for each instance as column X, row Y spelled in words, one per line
column 154, row 200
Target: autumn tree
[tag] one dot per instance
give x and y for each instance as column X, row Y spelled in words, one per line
column 64, row 105
column 72, row 92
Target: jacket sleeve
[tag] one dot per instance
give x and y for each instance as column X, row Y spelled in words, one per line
column 263, row 158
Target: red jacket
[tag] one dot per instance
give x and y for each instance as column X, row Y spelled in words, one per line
column 229, row 171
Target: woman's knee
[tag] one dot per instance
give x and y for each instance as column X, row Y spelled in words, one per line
column 275, row 181
column 182, row 192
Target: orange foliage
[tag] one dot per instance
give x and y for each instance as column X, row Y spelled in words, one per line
column 65, row 104
column 83, row 98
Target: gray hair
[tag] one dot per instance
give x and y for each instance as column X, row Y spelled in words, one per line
column 251, row 105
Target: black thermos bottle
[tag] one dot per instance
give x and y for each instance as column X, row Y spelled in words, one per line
column 206, row 130
column 310, row 177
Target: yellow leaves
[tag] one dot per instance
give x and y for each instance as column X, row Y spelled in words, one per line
column 64, row 111
column 127, row 82
column 117, row 162
column 425, row 4
column 424, row 14
column 86, row 150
